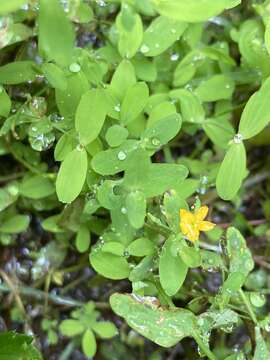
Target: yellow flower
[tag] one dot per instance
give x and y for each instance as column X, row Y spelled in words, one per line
column 192, row 223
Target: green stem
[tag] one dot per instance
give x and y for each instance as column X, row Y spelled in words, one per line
column 163, row 295
column 65, row 355
column 204, row 348
column 248, row 306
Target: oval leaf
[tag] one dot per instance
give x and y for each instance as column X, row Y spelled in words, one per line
column 90, row 115
column 231, row 171
column 72, row 175
column 172, row 270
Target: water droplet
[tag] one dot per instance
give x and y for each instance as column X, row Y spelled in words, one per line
column 157, row 45
column 101, row 3
column 123, row 210
column 121, row 155
column 41, row 142
column 80, row 147
column 155, row 141
column 75, row 67
column 238, row 138
column 174, row 57
column 144, row 49
column 173, row 31
column 117, row 107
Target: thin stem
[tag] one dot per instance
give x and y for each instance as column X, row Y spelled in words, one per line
column 164, row 295
column 6, row 178
column 205, row 349
column 248, row 306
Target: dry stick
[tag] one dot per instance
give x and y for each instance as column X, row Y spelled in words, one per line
column 261, row 261
column 17, row 298
column 56, row 299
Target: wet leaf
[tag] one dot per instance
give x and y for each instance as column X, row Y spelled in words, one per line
column 231, row 171
column 255, row 115
column 172, row 269
column 69, row 183
column 161, row 34
column 90, row 115
column 55, row 35
column 164, row 327
column 193, row 10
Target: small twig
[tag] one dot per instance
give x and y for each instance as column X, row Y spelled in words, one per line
column 250, row 222
column 56, row 299
column 17, row 298
column 260, row 260
column 6, row 178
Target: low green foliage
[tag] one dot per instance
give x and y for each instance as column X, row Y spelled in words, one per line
column 122, row 122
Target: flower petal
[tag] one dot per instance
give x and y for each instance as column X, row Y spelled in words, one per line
column 201, row 213
column 193, row 234
column 206, row 226
column 186, row 216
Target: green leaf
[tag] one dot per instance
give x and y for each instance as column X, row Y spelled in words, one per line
column 143, row 314
column 15, row 224
column 241, row 263
column 108, row 265
column 145, row 69
column 90, row 115
column 123, row 78
column 255, row 115
column 113, row 247
column 5, row 103
column 160, row 35
column 134, row 102
column 231, row 171
column 130, row 29
column 8, row 6
column 218, row 87
column 17, row 72
column 55, row 76
column 66, row 143
column 161, row 131
column 172, row 270
column 36, row 187
column 261, row 351
column 160, row 111
column 69, row 183
column 136, row 208
column 55, row 33
column 105, row 329
column 172, row 202
column 116, row 135
column 8, row 195
column 252, row 41
column 68, row 100
column 219, row 131
column 113, row 161
column 141, row 247
column 190, row 255
column 71, row 327
column 89, row 345
column 83, row 239
column 192, row 10
column 191, row 107
column 141, row 270
column 163, row 177
column 17, row 346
